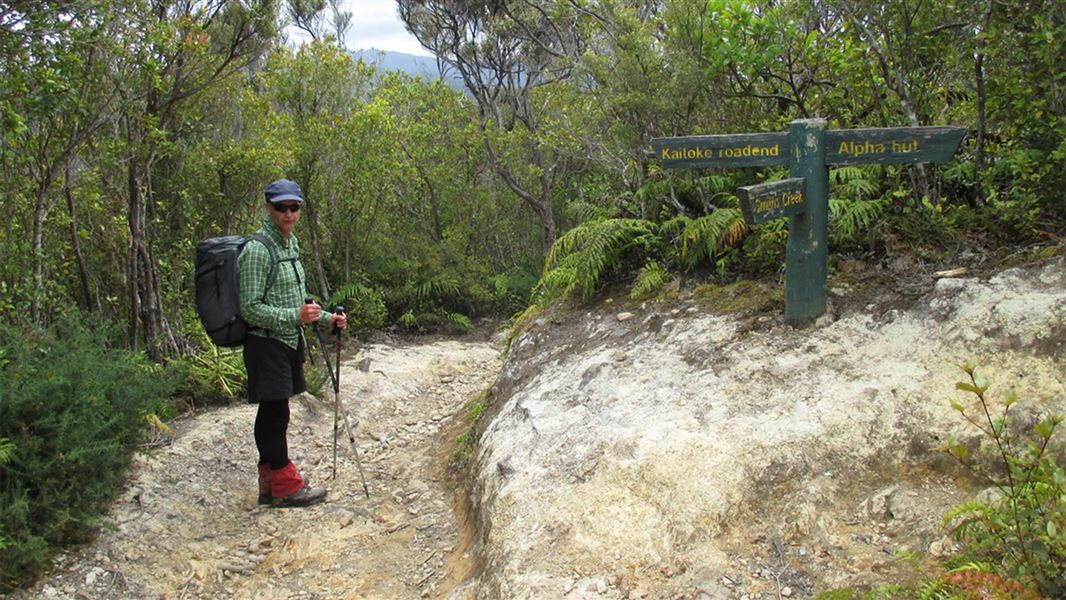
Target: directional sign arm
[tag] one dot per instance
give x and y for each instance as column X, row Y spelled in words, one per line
column 892, row 145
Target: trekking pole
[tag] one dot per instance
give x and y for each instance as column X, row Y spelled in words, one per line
column 337, row 395
column 337, row 407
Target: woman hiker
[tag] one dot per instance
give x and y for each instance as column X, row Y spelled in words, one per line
column 274, row 347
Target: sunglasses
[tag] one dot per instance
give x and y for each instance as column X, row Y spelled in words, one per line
column 284, row 208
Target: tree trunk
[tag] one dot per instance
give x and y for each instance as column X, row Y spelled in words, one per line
column 979, row 79
column 133, row 217
column 40, row 211
column 83, row 267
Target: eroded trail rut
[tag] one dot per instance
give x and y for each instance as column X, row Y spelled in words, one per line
column 188, row 525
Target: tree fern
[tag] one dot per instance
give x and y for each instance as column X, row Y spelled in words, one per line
column 701, row 239
column 716, row 184
column 582, row 255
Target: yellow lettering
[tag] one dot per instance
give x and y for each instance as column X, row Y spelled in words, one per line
column 910, row 146
column 860, row 148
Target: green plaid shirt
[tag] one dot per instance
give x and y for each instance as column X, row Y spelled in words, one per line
column 278, row 315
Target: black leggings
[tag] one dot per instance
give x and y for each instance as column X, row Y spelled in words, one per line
column 271, row 425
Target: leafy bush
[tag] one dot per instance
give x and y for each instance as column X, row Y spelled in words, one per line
column 1022, row 533
column 365, row 306
column 71, row 413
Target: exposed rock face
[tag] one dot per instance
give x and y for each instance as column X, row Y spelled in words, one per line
column 677, row 452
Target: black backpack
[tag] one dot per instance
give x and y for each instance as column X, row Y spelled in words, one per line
column 218, row 290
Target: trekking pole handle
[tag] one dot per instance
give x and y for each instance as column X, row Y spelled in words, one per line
column 339, row 311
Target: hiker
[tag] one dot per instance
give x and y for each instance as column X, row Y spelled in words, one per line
column 274, row 347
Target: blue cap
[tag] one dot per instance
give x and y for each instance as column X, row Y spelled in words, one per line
column 282, row 190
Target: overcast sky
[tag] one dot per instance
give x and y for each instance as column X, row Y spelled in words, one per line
column 375, row 24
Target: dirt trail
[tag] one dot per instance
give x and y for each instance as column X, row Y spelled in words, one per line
column 188, row 525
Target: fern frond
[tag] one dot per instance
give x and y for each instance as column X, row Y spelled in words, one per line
column 849, row 219
column 650, row 279
column 461, row 320
column 7, row 450
column 706, row 236
column 716, row 184
column 582, row 212
column 582, row 255
column 855, row 182
column 348, row 291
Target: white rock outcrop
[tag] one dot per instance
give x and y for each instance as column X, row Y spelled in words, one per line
column 711, row 452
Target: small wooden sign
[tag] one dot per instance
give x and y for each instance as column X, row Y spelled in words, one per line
column 767, row 201
column 892, row 145
column 739, row 150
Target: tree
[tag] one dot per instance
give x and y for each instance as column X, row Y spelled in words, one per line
column 504, row 52
column 176, row 50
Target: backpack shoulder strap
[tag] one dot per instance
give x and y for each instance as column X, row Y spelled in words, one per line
column 272, row 274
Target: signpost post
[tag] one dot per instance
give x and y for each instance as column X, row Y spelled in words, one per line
column 808, row 149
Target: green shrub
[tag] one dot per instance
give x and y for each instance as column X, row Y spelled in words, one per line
column 581, row 257
column 1022, row 533
column 365, row 306
column 71, row 414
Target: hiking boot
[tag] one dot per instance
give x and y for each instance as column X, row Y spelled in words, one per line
column 265, row 494
column 305, row 497
column 287, row 488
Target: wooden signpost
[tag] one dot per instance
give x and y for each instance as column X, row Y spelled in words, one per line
column 808, row 149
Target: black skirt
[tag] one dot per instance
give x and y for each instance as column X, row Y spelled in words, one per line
column 275, row 371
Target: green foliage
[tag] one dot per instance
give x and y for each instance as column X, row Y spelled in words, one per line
column 853, row 205
column 583, row 255
column 511, row 291
column 1022, row 533
column 850, row 219
column 701, row 240
column 464, row 447
column 435, row 321
column 213, row 375
column 651, row 278
column 72, row 412
column 209, row 374
column 764, row 250
column 413, row 186
column 364, row 305
column 931, row 224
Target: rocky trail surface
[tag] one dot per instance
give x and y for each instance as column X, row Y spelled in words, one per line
column 673, row 449
column 188, row 525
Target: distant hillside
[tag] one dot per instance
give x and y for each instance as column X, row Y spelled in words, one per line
column 417, row 66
